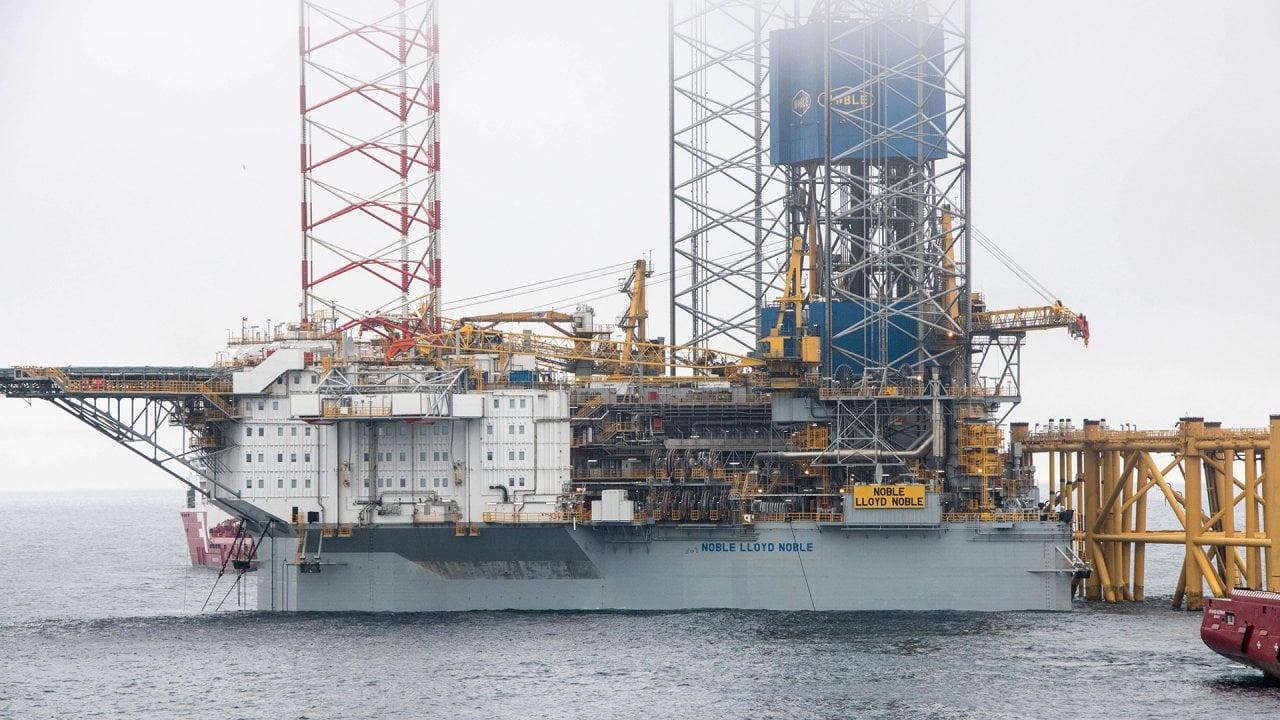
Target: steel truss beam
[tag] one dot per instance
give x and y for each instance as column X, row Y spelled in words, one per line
column 997, row 365
column 393, row 380
column 135, row 423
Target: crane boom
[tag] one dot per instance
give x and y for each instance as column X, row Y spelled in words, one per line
column 1020, row 320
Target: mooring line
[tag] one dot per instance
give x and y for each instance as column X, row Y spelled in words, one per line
column 803, row 574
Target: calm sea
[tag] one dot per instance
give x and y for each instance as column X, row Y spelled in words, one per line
column 100, row 617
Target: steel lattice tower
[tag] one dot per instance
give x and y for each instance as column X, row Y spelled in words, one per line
column 886, row 208
column 891, row 204
column 728, row 219
column 370, row 160
column 863, row 155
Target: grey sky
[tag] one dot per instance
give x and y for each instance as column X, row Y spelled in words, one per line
column 1122, row 152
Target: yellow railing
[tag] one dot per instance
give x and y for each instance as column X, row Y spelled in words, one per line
column 586, row 408
column 356, row 411
column 537, row 517
column 915, row 391
column 814, row 437
column 211, row 390
column 996, row 516
column 867, row 392
column 992, row 390
column 797, row 517
column 108, row 385
column 638, row 473
column 1077, row 433
column 434, row 517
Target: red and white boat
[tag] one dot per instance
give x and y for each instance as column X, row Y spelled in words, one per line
column 1246, row 628
column 225, row 544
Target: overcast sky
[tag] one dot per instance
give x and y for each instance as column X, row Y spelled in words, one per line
column 1123, row 152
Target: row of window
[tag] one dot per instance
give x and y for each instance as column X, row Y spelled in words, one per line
column 293, row 457
column 262, row 405
column 293, row 431
column 437, row 482
column 388, row 483
column 293, row 483
column 297, row 379
column 511, row 455
column 403, row 430
column 511, row 403
column 388, row 456
column 512, row 429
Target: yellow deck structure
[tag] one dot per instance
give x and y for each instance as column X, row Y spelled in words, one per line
column 1229, row 508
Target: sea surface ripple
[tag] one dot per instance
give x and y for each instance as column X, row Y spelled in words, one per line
column 100, row 617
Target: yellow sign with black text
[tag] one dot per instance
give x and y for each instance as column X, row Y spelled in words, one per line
column 888, row 497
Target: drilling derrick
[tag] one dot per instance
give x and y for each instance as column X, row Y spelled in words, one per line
column 858, row 253
column 370, row 161
column 870, row 124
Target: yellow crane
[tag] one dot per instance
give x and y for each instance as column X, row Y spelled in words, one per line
column 788, row 349
column 556, row 320
column 1021, row 320
column 587, row 351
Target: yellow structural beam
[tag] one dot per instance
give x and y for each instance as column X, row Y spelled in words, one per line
column 1106, row 476
column 1021, row 320
column 1271, row 513
column 608, row 354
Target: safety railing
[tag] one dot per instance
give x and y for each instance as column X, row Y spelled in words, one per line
column 557, row 516
column 997, row 516
column 638, row 473
column 356, row 411
column 759, row 517
column 434, row 517
column 588, row 407
column 96, row 385
column 613, row 428
column 917, row 391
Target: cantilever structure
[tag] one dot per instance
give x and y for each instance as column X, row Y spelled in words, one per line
column 139, row 407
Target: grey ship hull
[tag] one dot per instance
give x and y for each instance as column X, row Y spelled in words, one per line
column 773, row 566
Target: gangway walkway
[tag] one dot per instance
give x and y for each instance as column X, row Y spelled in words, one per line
column 132, row 405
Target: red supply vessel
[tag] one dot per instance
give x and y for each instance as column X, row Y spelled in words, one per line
column 221, row 546
column 1245, row 628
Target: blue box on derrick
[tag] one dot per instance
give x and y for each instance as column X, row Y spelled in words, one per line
column 887, row 89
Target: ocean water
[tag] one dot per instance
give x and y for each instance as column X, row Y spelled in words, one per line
column 101, row 617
